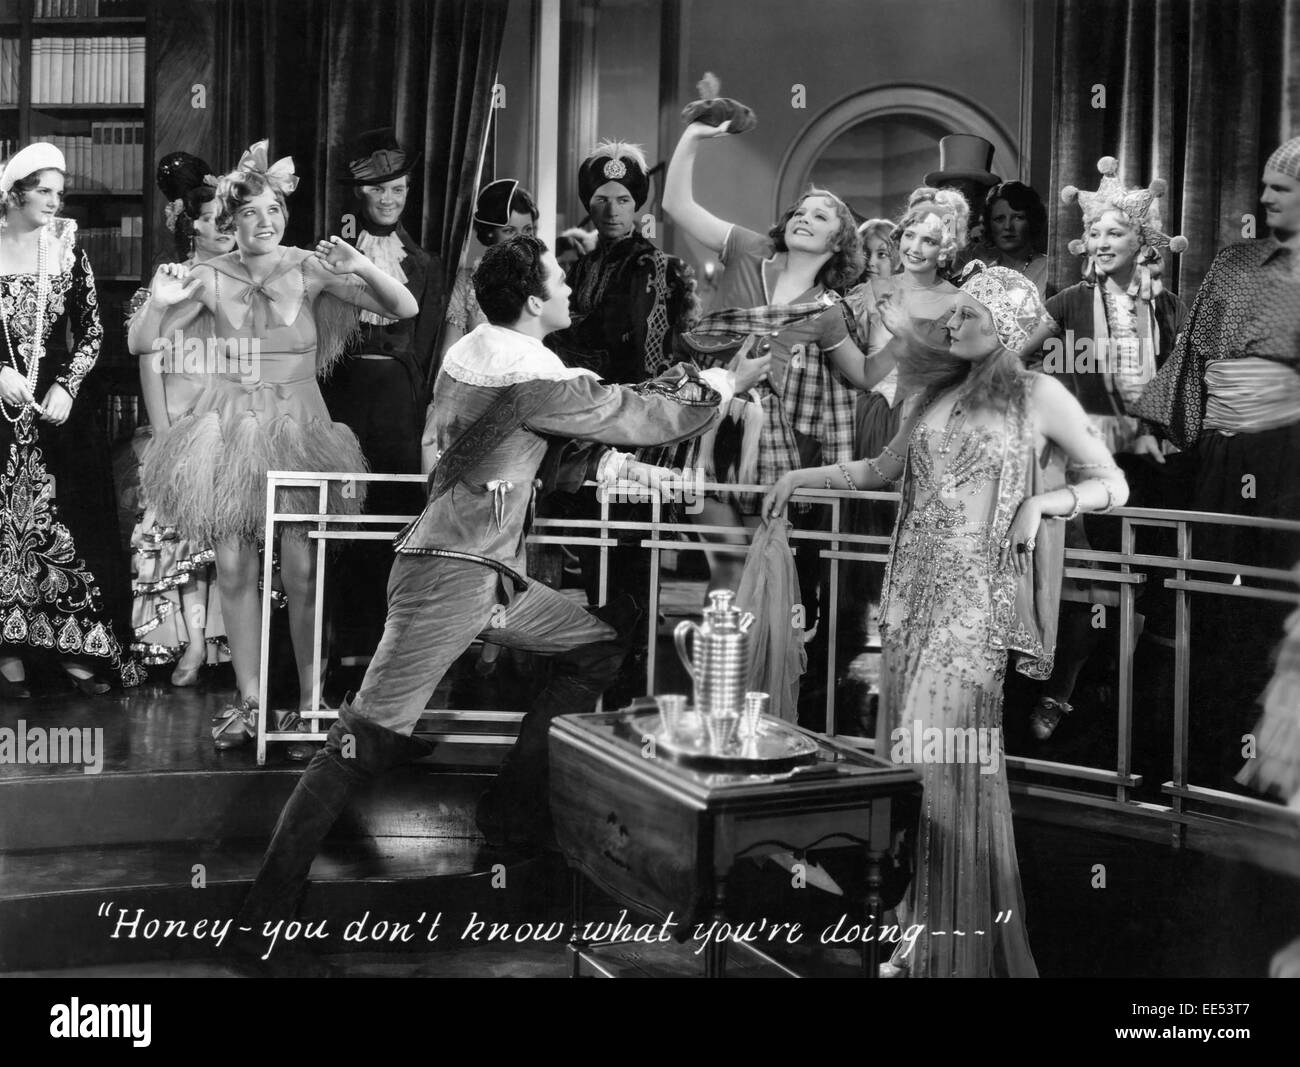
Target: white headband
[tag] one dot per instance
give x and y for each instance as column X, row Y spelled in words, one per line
column 38, row 156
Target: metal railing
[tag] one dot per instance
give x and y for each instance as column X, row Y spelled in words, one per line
column 1105, row 787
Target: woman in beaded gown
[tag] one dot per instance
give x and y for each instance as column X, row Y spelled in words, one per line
column 974, row 576
column 282, row 316
column 50, row 600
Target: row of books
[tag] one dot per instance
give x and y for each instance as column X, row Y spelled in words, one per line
column 115, row 250
column 83, row 9
column 110, row 159
column 88, row 70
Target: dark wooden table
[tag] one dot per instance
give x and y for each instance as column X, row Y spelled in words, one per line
column 662, row 837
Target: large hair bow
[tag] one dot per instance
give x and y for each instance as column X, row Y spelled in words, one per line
column 279, row 175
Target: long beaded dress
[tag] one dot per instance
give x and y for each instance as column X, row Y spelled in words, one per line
column 50, row 599
column 948, row 621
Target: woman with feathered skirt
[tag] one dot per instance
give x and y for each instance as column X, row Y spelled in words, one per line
column 280, row 317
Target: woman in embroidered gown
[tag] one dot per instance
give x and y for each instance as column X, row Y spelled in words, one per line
column 50, row 600
column 973, row 576
column 1104, row 339
column 288, row 313
column 176, row 615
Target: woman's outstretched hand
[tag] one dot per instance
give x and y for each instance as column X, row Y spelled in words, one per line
column 703, row 129
column 778, row 496
column 172, row 284
column 339, row 257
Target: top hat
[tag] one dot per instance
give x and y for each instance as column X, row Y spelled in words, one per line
column 376, row 157
column 964, row 157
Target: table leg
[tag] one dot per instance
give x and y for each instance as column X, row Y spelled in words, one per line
column 875, row 907
column 715, row 956
column 576, row 902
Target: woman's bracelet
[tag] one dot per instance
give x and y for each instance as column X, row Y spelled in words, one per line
column 1110, row 496
column 879, row 473
column 1074, row 514
column 848, row 477
column 1078, row 505
column 887, row 451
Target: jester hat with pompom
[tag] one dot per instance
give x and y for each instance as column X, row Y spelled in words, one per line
column 1137, row 205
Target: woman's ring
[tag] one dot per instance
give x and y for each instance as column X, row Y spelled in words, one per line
column 1006, row 543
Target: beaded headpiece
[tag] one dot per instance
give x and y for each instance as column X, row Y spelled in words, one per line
column 1138, row 205
column 1011, row 298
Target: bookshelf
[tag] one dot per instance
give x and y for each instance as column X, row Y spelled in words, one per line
column 78, row 73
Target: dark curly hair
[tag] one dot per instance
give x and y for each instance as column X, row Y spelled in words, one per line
column 507, row 276
column 239, row 188
column 18, row 192
column 1019, row 197
column 183, row 227
column 847, row 262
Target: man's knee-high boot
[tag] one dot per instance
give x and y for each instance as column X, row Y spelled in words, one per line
column 356, row 751
column 516, row 807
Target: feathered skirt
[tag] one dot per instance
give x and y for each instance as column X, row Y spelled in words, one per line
column 207, row 473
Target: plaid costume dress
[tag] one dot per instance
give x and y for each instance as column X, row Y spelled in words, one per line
column 804, row 396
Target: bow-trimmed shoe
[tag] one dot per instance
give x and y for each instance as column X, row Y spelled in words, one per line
column 236, row 724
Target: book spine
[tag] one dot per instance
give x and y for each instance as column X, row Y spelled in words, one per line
column 38, row 66
column 79, row 72
column 67, row 59
column 97, row 153
column 138, row 70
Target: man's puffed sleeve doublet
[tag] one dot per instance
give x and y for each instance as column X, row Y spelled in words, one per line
column 677, row 405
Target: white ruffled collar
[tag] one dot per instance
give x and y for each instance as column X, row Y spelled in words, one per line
column 493, row 356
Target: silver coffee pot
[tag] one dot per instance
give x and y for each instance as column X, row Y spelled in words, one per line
column 720, row 666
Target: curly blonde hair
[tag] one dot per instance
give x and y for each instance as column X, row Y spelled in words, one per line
column 952, row 209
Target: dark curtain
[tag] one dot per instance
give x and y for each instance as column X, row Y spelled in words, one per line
column 312, row 74
column 1197, row 92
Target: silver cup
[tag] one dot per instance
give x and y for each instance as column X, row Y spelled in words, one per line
column 756, row 705
column 722, row 727
column 672, row 712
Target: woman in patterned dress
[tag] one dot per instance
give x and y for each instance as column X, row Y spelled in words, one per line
column 176, row 611
column 973, row 576
column 50, row 600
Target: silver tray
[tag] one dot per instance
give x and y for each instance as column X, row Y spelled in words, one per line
column 778, row 747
